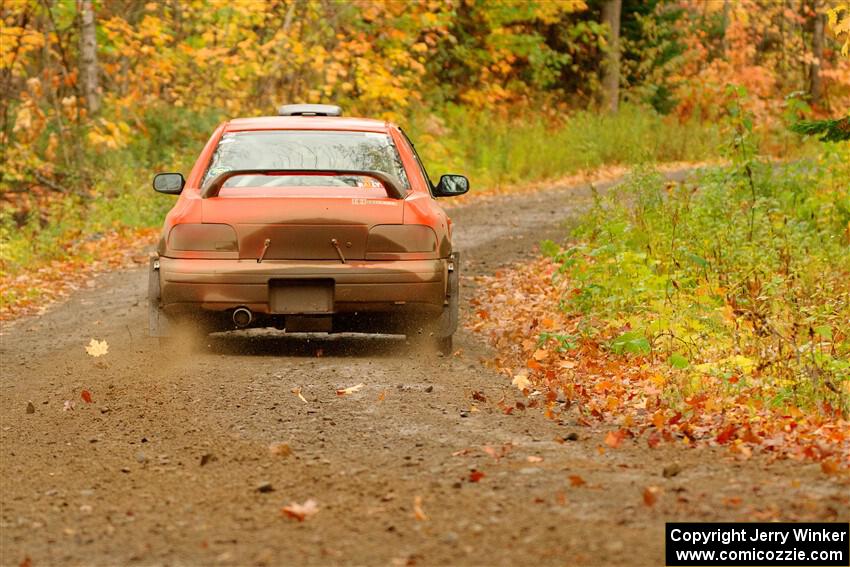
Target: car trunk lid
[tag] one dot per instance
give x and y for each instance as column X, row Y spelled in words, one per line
column 303, row 228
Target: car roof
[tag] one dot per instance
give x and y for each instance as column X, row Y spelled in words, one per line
column 307, row 123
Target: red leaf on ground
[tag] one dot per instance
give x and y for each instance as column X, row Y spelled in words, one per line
column 576, row 480
column 726, row 435
column 650, row 495
column 86, row 396
column 654, row 440
column 475, row 476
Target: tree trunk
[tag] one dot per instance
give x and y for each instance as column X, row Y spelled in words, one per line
column 817, row 51
column 88, row 56
column 611, row 79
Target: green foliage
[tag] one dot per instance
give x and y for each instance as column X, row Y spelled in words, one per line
column 745, row 269
column 631, row 342
column 829, row 130
column 495, row 149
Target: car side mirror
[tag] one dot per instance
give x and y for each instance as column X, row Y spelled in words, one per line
column 451, row 185
column 168, row 183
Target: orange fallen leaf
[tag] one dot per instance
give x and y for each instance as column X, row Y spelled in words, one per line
column 86, row 396
column 382, row 396
column 476, row 475
column 576, row 480
column 650, row 495
column 280, row 449
column 614, row 438
column 418, row 513
column 732, row 502
column 300, row 512
column 829, row 466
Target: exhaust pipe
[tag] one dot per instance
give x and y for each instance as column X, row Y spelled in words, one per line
column 242, row 317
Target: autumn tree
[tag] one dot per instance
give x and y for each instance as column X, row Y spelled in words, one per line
column 611, row 13
column 88, row 55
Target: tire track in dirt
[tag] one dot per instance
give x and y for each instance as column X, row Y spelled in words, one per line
column 120, row 481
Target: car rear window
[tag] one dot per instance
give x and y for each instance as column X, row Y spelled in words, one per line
column 308, row 150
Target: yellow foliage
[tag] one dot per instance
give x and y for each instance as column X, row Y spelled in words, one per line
column 839, row 22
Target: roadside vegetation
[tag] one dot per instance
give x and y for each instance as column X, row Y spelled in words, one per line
column 716, row 310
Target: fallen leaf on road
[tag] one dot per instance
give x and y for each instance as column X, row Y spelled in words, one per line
column 300, row 512
column 382, row 396
column 653, row 440
column 521, row 381
column 732, row 502
column 30, row 407
column 418, row 513
column 829, row 467
column 475, row 475
column 650, row 495
column 350, row 389
column 280, row 449
column 614, row 438
column 576, row 480
column 297, row 392
column 86, row 396
column 97, row 348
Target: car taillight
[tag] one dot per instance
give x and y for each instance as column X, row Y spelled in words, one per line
column 400, row 238
column 203, row 237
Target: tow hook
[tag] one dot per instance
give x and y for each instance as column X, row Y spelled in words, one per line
column 266, row 245
column 335, row 244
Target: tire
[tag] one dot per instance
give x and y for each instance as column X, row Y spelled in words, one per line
column 448, row 320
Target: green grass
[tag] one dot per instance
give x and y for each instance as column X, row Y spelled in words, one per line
column 494, row 150
column 740, row 273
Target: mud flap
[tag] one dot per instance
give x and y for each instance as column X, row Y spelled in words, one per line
column 447, row 322
column 158, row 324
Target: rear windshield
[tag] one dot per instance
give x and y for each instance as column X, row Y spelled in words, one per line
column 305, row 149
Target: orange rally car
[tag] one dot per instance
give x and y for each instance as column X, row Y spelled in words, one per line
column 308, row 222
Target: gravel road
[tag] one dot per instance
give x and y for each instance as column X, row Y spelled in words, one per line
column 170, row 463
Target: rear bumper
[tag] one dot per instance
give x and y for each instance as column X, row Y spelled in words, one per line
column 397, row 286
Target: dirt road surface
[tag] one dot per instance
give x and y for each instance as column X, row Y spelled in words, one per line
column 170, row 463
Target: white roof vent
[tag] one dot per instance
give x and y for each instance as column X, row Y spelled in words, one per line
column 309, row 110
